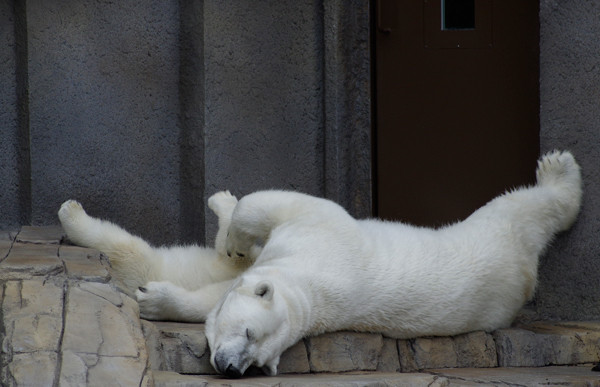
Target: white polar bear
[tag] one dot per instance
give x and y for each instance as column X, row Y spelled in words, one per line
column 180, row 283
column 321, row 270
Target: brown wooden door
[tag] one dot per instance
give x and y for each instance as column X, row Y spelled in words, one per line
column 457, row 105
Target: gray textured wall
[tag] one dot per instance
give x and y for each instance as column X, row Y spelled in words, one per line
column 10, row 206
column 141, row 110
column 569, row 281
column 103, row 104
column 263, row 116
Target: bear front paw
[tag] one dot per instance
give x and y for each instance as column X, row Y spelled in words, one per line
column 157, row 300
column 222, row 203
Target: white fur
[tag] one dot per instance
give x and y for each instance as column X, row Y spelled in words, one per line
column 180, row 283
column 325, row 271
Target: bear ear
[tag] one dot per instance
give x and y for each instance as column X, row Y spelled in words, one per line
column 264, row 289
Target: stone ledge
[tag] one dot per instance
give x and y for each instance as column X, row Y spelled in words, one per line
column 450, row 377
column 63, row 321
column 534, row 345
column 40, row 235
column 380, row 379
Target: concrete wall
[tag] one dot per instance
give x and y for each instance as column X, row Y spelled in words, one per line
column 264, row 96
column 103, row 111
column 10, row 206
column 569, row 281
column 141, row 110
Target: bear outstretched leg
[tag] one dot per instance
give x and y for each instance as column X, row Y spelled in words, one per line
column 535, row 214
column 552, row 205
column 528, row 218
column 136, row 263
column 132, row 258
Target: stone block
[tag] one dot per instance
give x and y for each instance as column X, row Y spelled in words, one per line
column 27, row 260
column 31, row 369
column 294, row 360
column 521, row 348
column 36, row 333
column 102, row 340
column 82, row 325
column 80, row 369
column 84, row 264
column 116, row 371
column 74, row 369
column 156, row 358
column 434, row 352
column 32, row 314
column 104, row 291
column 100, row 320
column 40, row 235
column 541, row 344
column 406, row 356
column 184, row 348
column 474, row 349
column 583, row 340
column 389, row 361
column 344, row 351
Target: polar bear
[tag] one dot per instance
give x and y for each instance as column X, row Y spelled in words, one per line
column 321, row 270
column 180, row 283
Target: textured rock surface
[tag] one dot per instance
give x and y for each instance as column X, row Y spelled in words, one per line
column 534, row 345
column 344, row 351
column 178, row 347
column 475, row 349
column 63, row 322
column 541, row 344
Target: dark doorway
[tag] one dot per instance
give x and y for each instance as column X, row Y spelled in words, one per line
column 457, row 105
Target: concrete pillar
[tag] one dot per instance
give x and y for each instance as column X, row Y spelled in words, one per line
column 570, row 119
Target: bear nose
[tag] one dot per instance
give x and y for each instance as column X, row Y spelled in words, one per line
column 228, row 253
column 232, row 371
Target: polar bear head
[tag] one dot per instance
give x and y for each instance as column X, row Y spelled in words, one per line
column 248, row 327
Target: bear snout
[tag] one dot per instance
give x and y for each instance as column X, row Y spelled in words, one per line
column 232, row 372
column 225, row 366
